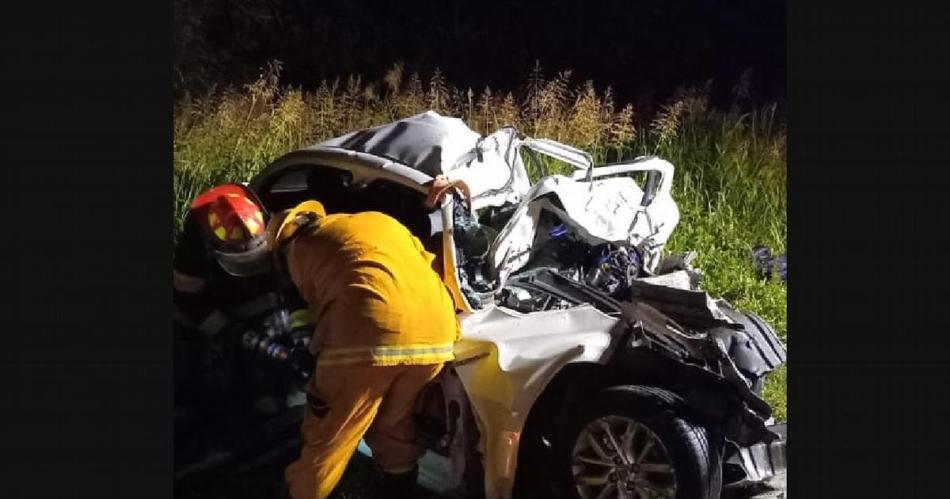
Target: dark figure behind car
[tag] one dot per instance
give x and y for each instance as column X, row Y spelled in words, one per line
column 223, row 287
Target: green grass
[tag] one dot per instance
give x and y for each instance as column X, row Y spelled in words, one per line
column 730, row 181
column 731, row 191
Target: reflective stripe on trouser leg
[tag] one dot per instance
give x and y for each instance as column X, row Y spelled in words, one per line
column 392, row 434
column 389, row 355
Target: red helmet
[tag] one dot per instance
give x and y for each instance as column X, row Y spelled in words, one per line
column 233, row 220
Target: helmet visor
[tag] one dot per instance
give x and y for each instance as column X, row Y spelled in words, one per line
column 246, row 263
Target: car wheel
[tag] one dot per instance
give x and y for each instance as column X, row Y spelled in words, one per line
column 631, row 442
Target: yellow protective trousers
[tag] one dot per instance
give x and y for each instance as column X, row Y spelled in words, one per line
column 375, row 401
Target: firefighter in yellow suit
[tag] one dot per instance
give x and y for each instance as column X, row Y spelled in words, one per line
column 385, row 324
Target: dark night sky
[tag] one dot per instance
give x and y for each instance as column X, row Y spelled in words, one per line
column 644, row 49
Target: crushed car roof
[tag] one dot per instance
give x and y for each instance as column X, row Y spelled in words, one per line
column 427, row 142
column 427, row 145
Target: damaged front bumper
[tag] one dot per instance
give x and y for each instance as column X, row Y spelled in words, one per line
column 723, row 351
column 761, row 461
column 759, row 446
column 705, row 351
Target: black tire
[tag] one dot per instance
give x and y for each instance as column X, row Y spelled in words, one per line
column 694, row 453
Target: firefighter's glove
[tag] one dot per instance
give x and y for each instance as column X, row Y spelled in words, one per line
column 441, row 186
column 302, row 362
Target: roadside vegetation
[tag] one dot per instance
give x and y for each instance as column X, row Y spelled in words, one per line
column 730, row 181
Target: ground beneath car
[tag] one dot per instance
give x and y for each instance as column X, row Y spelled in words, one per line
column 774, row 488
column 361, row 481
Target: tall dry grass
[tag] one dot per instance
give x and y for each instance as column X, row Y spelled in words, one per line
column 231, row 133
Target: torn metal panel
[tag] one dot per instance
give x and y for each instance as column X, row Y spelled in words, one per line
column 561, row 152
column 761, row 461
column 665, row 335
column 754, row 346
column 695, row 309
column 605, row 210
column 493, row 170
column 679, row 279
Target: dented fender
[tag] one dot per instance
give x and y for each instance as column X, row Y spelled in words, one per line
column 505, row 360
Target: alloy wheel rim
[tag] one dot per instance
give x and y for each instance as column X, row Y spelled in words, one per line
column 617, row 457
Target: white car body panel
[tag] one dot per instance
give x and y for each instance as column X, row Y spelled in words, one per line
column 522, row 353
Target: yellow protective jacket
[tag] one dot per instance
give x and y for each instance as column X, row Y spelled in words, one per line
column 372, row 293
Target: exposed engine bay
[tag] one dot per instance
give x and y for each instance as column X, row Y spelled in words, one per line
column 605, row 266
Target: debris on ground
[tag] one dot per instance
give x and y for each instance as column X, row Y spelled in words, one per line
column 767, row 265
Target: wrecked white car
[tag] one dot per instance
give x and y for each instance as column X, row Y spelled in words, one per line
column 590, row 364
